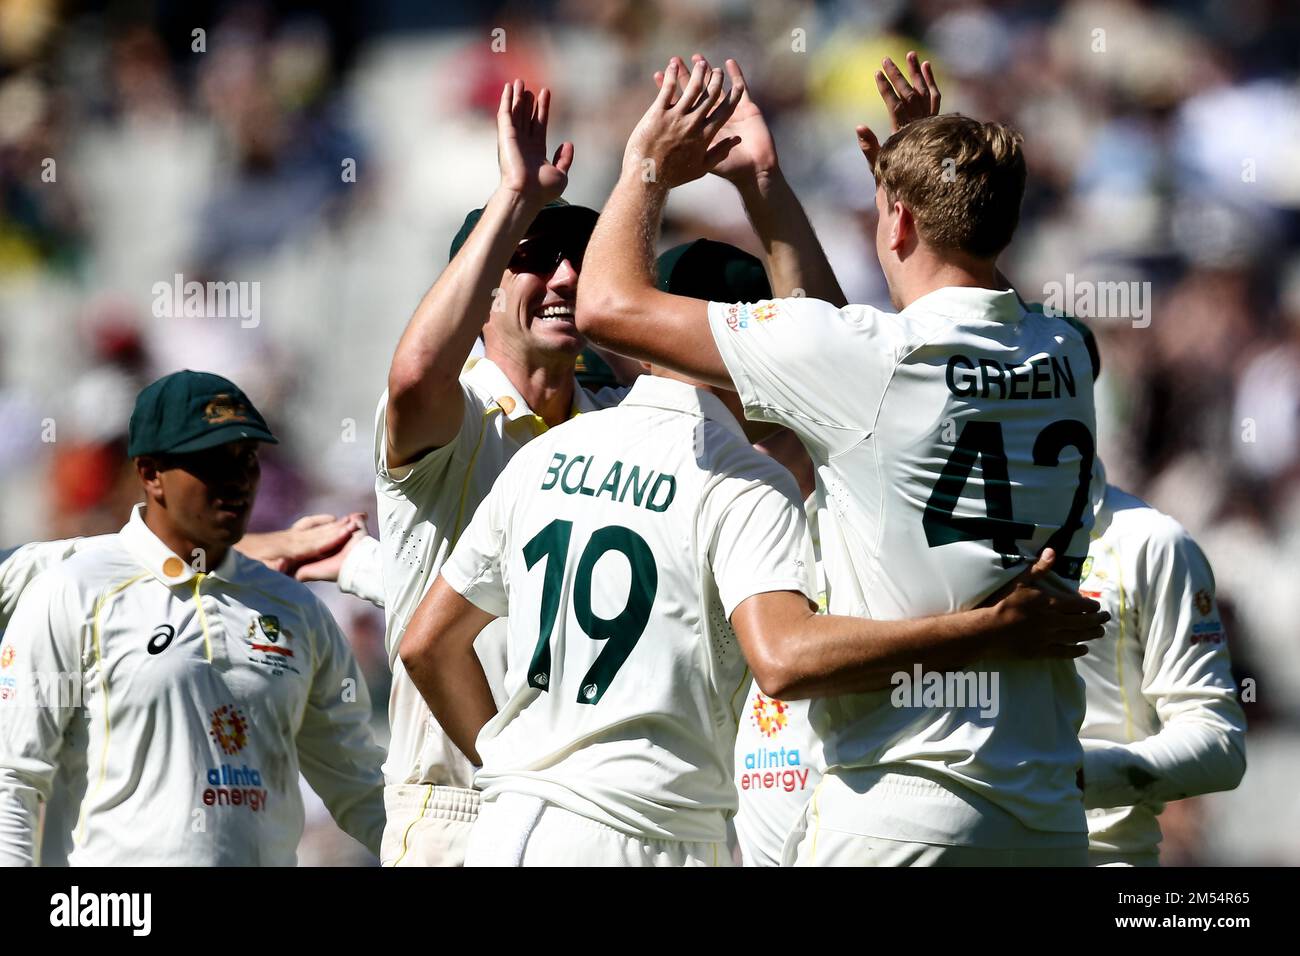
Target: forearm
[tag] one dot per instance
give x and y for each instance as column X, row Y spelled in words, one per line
column 825, row 655
column 619, row 306
column 432, row 350
column 1186, row 758
column 456, row 689
column 618, row 268
column 796, row 263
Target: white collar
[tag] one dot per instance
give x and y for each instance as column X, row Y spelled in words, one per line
column 655, row 391
column 968, row 302
column 488, row 375
column 161, row 561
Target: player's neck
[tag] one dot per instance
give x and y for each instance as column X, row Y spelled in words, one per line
column 547, row 386
column 928, row 273
column 180, row 544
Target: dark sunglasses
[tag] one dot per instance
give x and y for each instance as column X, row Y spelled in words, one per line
column 543, row 255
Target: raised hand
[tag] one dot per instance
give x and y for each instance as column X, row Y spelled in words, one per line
column 677, row 140
column 905, row 101
column 754, row 156
column 521, row 146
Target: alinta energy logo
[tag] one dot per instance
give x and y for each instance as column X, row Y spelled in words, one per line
column 767, row 768
column 770, row 715
column 229, row 785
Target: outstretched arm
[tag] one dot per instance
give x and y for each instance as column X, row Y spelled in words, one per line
column 618, row 304
column 796, row 264
column 796, row 653
column 309, row 539
column 424, row 406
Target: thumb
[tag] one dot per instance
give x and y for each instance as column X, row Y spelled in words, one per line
column 868, row 143
column 1043, row 566
column 563, row 157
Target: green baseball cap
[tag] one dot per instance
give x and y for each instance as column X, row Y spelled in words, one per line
column 190, row 411
column 556, row 216
column 715, row 271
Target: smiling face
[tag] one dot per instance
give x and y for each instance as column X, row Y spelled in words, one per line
column 204, row 497
column 532, row 313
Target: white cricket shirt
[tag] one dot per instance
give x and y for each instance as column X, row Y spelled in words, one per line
column 422, row 509
column 180, row 706
column 950, row 440
column 1163, row 721
column 620, row 544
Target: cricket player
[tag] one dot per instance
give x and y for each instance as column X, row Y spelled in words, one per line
column 1163, row 722
column 953, row 442
column 447, row 426
column 216, row 678
column 625, row 546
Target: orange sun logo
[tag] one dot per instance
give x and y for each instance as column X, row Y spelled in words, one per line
column 229, row 729
column 769, row 715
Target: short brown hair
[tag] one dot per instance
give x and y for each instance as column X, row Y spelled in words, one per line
column 961, row 179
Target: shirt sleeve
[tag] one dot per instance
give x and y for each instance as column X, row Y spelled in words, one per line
column 41, row 656
column 18, row 566
column 362, row 572
column 760, row 540
column 1187, row 678
column 336, row 749
column 405, row 481
column 475, row 569
column 805, row 364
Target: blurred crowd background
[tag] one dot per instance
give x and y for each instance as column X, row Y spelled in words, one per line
column 330, row 153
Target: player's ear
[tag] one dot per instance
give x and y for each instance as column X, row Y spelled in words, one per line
column 150, row 469
column 902, row 227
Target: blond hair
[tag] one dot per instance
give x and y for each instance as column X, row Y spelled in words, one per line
column 961, row 179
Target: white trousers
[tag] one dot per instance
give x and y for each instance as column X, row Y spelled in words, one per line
column 427, row 825
column 519, row 830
